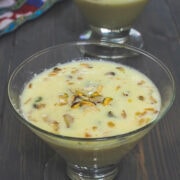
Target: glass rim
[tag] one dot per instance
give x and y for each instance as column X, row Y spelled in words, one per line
column 78, row 43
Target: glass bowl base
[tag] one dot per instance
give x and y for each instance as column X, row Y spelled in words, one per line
column 57, row 169
column 131, row 37
column 134, row 38
column 84, row 173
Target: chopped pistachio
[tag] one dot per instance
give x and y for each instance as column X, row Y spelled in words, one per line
column 38, row 99
column 126, row 93
column 110, row 73
column 141, row 98
column 110, row 114
column 70, row 76
column 39, row 106
column 56, row 69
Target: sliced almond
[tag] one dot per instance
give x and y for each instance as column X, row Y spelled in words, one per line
column 68, row 119
column 107, row 101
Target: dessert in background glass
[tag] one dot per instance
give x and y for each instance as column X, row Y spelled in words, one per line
column 91, row 157
column 111, row 20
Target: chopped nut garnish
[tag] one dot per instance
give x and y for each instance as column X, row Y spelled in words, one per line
column 146, row 111
column 96, row 99
column 54, row 72
column 153, row 100
column 110, row 73
column 123, row 114
column 81, row 98
column 141, row 98
column 121, row 69
column 31, row 118
column 79, row 93
column 107, row 101
column 74, row 71
column 118, row 87
column 110, row 114
column 27, row 101
column 38, row 99
column 30, row 85
column 87, row 135
column 111, row 124
column 63, row 99
column 55, row 125
column 95, row 94
column 151, row 109
column 141, row 82
column 79, row 78
column 87, row 103
column 39, row 106
column 70, row 83
column 141, row 113
column 68, row 119
column 56, row 69
column 45, row 118
column 70, row 77
column 76, row 105
column 143, row 121
column 86, row 65
column 126, row 93
column 99, row 88
column 94, row 128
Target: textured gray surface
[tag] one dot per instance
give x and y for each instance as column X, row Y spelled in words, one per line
column 23, row 156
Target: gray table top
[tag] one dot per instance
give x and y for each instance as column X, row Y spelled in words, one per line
column 23, row 156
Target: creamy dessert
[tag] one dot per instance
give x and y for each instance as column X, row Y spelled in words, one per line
column 111, row 14
column 90, row 99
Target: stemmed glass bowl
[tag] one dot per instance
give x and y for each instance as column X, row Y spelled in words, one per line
column 92, row 158
column 112, row 20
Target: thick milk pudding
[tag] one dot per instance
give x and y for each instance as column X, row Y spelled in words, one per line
column 90, row 99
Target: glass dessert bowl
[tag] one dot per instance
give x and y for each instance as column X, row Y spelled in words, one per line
column 111, row 20
column 91, row 157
